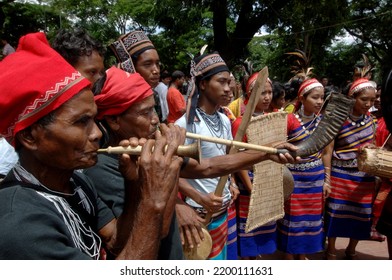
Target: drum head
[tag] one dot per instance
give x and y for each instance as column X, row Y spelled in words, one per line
column 203, row 251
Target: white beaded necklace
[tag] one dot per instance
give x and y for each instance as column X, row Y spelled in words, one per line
column 300, row 114
column 357, row 121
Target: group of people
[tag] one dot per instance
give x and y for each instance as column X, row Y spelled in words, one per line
column 61, row 199
column 332, row 198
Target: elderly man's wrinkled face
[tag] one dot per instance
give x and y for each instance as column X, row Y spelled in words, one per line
column 71, row 141
column 139, row 120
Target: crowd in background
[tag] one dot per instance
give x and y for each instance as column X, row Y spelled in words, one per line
column 164, row 199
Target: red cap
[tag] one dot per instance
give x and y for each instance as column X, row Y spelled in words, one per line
column 34, row 81
column 308, row 85
column 120, row 91
column 359, row 85
column 250, row 83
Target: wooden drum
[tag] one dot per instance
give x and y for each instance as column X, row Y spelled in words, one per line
column 202, row 252
column 377, row 162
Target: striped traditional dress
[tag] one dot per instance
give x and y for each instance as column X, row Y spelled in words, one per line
column 301, row 229
column 349, row 206
column 261, row 240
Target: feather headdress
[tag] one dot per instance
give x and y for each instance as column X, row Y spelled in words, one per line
column 302, row 74
column 248, row 67
column 301, row 67
column 363, row 68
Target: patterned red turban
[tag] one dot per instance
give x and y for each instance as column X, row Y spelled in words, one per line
column 120, row 91
column 34, row 81
column 308, row 85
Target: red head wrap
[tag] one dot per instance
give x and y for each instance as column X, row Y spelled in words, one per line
column 250, row 83
column 34, row 81
column 120, row 91
column 308, row 85
column 359, row 85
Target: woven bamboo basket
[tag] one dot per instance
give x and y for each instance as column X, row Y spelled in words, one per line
column 267, row 197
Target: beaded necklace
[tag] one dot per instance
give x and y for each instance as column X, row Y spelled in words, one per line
column 300, row 115
column 357, row 121
column 256, row 114
column 84, row 238
column 214, row 124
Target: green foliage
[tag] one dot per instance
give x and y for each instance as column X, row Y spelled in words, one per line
column 340, row 60
column 370, row 21
column 186, row 28
column 21, row 19
column 181, row 27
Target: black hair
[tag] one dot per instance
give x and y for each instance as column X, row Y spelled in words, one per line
column 243, row 80
column 136, row 55
column 177, row 75
column 102, row 124
column 71, row 45
column 292, row 88
column 47, row 119
column 277, row 90
column 165, row 74
column 98, row 85
column 346, row 89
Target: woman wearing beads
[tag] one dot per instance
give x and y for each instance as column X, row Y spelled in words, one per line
column 349, row 207
column 300, row 232
column 263, row 239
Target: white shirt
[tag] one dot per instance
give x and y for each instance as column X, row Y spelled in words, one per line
column 7, row 49
column 208, row 149
column 8, row 157
column 161, row 89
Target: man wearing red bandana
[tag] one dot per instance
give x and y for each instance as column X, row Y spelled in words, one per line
column 47, row 210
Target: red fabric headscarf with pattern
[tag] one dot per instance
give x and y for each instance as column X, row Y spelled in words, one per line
column 34, row 81
column 120, row 91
